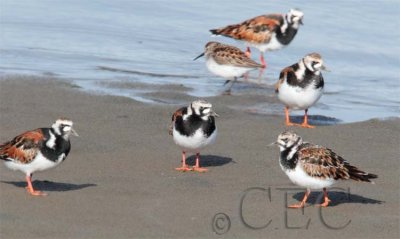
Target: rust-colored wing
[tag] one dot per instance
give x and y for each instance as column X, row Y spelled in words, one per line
column 175, row 115
column 255, row 30
column 288, row 72
column 22, row 148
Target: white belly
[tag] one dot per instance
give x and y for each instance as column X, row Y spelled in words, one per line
column 226, row 71
column 38, row 164
column 194, row 142
column 298, row 98
column 299, row 177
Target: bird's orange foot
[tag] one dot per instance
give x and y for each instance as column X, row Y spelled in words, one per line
column 300, row 205
column 35, row 193
column 306, row 125
column 183, row 169
column 199, row 169
column 291, row 124
column 325, row 204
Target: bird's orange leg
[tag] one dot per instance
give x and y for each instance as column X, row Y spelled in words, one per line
column 303, row 202
column 30, row 189
column 197, row 167
column 184, row 167
column 248, row 52
column 260, row 74
column 326, row 199
column 305, row 122
column 263, row 63
column 288, row 123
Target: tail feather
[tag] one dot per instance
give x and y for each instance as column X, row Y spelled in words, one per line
column 359, row 175
column 214, row 31
column 228, row 31
column 3, row 152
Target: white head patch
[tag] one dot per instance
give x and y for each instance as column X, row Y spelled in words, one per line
column 295, row 17
column 62, row 126
column 313, row 62
column 201, row 107
column 288, row 139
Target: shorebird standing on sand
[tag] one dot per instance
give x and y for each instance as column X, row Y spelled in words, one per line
column 193, row 128
column 313, row 166
column 38, row 150
column 301, row 85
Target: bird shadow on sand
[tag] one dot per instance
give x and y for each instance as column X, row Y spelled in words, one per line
column 209, row 160
column 318, row 120
column 52, row 186
column 336, row 198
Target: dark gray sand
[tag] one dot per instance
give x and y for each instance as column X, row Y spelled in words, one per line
column 119, row 180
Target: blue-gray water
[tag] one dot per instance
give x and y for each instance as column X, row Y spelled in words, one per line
column 359, row 41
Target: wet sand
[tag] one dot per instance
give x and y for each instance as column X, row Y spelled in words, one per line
column 119, row 179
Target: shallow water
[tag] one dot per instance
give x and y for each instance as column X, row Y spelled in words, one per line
column 97, row 42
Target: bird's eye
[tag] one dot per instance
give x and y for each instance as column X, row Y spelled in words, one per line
column 314, row 63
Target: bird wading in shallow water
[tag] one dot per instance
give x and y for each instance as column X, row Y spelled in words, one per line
column 301, row 85
column 265, row 32
column 313, row 166
column 193, row 128
column 38, row 150
column 227, row 61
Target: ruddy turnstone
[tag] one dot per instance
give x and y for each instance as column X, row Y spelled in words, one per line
column 301, row 85
column 227, row 61
column 193, row 128
column 313, row 166
column 266, row 32
column 38, row 150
